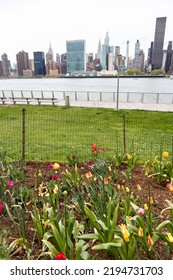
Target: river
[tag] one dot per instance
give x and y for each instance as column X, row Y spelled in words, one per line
column 146, row 85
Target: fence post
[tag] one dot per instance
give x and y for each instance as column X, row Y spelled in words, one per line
column 124, row 132
column 23, row 135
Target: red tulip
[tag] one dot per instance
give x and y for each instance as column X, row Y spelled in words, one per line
column 60, row 256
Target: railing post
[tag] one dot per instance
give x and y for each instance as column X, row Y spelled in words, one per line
column 142, row 97
column 157, row 98
column 67, row 101
column 23, row 135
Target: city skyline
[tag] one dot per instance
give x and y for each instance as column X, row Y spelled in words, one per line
column 31, row 25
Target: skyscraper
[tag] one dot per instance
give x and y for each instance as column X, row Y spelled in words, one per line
column 76, row 55
column 127, row 55
column 5, row 65
column 168, row 57
column 158, row 43
column 49, row 55
column 22, row 62
column 39, row 64
column 106, row 42
column 99, row 50
column 136, row 55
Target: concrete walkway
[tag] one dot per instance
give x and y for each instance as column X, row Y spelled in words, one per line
column 121, row 105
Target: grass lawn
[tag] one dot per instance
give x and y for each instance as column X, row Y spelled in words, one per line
column 53, row 133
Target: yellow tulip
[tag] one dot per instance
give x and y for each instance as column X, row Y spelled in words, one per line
column 125, row 232
column 169, row 237
column 128, row 157
column 56, row 166
column 165, row 154
column 140, row 232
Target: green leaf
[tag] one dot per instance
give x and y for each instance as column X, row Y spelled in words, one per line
column 107, row 246
column 59, row 239
column 52, row 249
column 89, row 236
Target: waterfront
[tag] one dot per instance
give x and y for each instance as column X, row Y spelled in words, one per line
column 148, row 85
column 130, row 90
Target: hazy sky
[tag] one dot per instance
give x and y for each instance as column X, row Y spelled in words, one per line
column 30, row 25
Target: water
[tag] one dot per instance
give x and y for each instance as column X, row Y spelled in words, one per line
column 145, row 90
column 146, row 85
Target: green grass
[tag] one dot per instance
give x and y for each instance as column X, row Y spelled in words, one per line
column 52, row 133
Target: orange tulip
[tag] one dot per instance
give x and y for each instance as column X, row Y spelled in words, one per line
column 94, row 148
column 150, row 240
column 170, row 187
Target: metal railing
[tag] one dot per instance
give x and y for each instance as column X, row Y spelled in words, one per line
column 53, row 97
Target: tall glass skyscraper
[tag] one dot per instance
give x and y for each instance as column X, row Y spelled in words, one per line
column 76, row 55
column 158, row 43
column 39, row 64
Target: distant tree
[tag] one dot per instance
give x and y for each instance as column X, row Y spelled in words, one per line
column 134, row 72
column 158, row 72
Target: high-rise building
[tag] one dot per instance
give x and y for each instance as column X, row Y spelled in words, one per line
column 1, row 71
column 168, row 57
column 5, row 65
column 158, row 43
column 117, row 50
column 127, row 55
column 136, row 55
column 76, row 55
column 49, row 55
column 22, row 62
column 106, row 42
column 39, row 64
column 98, row 55
column 104, row 57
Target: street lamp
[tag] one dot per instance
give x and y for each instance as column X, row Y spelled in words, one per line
column 118, row 77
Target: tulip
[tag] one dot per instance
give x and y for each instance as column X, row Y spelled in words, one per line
column 141, row 211
column 145, row 206
column 128, row 157
column 60, row 256
column 125, row 232
column 150, row 199
column 140, row 232
column 127, row 189
column 150, row 240
column 1, row 207
column 56, row 166
column 94, row 148
column 165, row 154
column 55, row 190
column 170, row 237
column 51, row 165
column 54, row 177
column 88, row 175
column 106, row 181
column 138, row 187
column 170, row 187
column 10, row 184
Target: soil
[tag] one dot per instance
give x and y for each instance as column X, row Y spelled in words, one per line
column 158, row 191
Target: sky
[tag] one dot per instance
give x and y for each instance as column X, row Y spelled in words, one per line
column 31, row 25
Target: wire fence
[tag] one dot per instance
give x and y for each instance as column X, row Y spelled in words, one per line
column 55, row 133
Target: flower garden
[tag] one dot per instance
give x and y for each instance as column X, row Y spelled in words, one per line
column 92, row 210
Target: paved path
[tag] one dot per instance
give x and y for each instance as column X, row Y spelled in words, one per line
column 122, row 105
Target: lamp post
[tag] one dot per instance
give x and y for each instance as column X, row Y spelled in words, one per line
column 118, row 77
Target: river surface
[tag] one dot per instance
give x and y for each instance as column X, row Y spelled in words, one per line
column 146, row 85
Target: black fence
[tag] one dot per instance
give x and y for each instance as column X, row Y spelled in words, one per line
column 55, row 133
